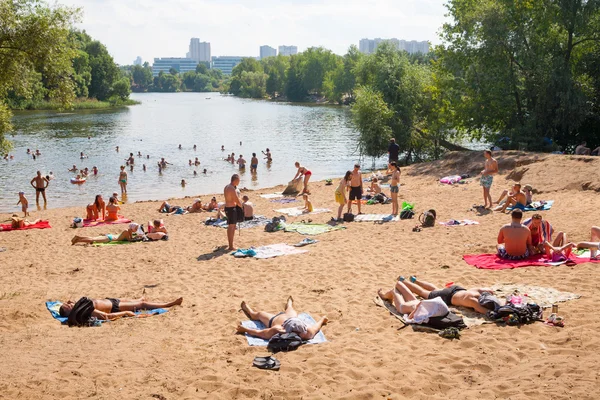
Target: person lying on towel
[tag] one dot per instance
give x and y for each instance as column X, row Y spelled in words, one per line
column 129, row 235
column 110, row 308
column 593, row 245
column 405, row 301
column 283, row 322
column 514, row 239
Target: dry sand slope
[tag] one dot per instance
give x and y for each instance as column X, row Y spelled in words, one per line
column 191, row 352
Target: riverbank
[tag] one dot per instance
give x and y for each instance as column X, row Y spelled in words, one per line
column 192, row 351
column 78, row 104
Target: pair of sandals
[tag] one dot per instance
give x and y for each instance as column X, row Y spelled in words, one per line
column 269, row 363
column 417, row 228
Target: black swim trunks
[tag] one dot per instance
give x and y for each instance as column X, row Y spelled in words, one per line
column 41, row 190
column 446, row 294
column 234, row 215
column 355, row 193
column 115, row 305
column 273, row 317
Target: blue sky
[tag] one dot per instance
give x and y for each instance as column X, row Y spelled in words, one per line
column 153, row 28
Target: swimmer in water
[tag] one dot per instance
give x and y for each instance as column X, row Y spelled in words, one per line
column 204, row 172
column 74, row 169
column 195, row 172
column 95, row 170
column 196, row 162
column 117, row 148
column 179, row 147
column 222, row 148
column 183, row 183
column 194, row 147
column 144, row 167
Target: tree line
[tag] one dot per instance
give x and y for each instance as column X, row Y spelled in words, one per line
column 202, row 79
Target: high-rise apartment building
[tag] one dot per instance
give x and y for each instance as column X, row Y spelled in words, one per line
column 288, row 50
column 368, row 46
column 138, row 61
column 199, row 51
column 267, row 51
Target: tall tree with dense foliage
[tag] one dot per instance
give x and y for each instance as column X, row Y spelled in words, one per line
column 372, row 116
column 340, row 82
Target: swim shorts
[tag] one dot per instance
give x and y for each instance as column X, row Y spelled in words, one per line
column 253, row 166
column 115, row 305
column 504, row 255
column 519, row 206
column 355, row 193
column 446, row 294
column 486, row 181
column 234, row 215
column 339, row 198
column 41, row 190
column 394, row 189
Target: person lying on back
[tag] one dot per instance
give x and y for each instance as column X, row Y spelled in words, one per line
column 110, row 308
column 514, row 239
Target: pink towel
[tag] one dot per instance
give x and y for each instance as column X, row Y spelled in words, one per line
column 492, row 261
column 121, row 220
column 39, row 225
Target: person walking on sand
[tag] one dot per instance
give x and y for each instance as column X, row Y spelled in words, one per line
column 39, row 183
column 24, row 204
column 234, row 208
column 340, row 193
column 393, row 151
column 395, row 187
column 123, row 180
column 356, row 188
column 487, row 177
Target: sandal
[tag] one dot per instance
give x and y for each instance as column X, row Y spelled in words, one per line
column 413, row 278
column 401, row 278
column 417, row 228
column 269, row 363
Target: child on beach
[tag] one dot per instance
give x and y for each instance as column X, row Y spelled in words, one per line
column 24, row 204
column 248, row 208
column 340, row 193
column 123, row 180
column 308, row 206
column 374, row 188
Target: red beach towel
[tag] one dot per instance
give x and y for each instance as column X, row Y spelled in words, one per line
column 492, row 261
column 39, row 225
column 121, row 220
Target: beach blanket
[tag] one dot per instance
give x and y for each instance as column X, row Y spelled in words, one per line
column 39, row 225
column 114, row 243
column 376, row 218
column 254, row 341
column 538, row 206
column 54, row 306
column 459, row 222
column 121, row 220
column 276, row 250
column 284, row 200
column 298, row 211
column 451, row 180
column 542, row 296
column 492, row 261
column 271, row 195
column 311, row 229
column 258, row 220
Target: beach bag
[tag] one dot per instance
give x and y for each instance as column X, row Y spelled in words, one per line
column 407, row 214
column 348, row 217
column 449, row 320
column 284, row 342
column 77, row 222
column 276, row 224
column 427, row 219
column 81, row 313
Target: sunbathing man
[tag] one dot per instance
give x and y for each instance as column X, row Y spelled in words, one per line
column 283, row 322
column 126, row 236
column 453, row 295
column 514, row 239
column 516, row 199
column 541, row 233
column 110, row 309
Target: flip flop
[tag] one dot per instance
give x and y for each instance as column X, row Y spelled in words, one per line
column 270, row 364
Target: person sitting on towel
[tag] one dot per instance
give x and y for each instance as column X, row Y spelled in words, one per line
column 541, row 232
column 514, row 239
column 452, row 296
column 110, row 309
column 248, row 208
column 130, row 235
column 516, row 199
column 283, row 322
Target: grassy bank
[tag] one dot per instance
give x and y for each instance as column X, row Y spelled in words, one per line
column 79, row 104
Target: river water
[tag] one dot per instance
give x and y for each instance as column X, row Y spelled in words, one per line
column 320, row 137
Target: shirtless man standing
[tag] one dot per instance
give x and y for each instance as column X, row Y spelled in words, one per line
column 356, row 188
column 514, row 239
column 487, row 177
column 234, row 208
column 40, row 184
column 517, row 199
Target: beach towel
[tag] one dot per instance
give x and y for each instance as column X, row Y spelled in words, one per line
column 297, row 211
column 376, row 218
column 459, row 222
column 114, row 243
column 492, row 261
column 121, row 220
column 538, row 206
column 284, row 200
column 258, row 220
column 451, row 180
column 39, row 225
column 54, row 306
column 311, row 229
column 276, row 250
column 306, row 318
column 543, row 296
column 271, row 195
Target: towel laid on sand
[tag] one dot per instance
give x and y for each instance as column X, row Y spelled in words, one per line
column 54, row 306
column 121, row 220
column 298, row 211
column 538, row 206
column 311, row 229
column 114, row 243
column 258, row 220
column 254, row 341
column 39, row 225
column 271, row 195
column 270, row 251
column 376, row 218
column 284, row 200
column 492, row 261
column 542, row 296
column 459, row 222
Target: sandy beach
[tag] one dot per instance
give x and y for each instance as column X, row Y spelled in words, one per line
column 192, row 351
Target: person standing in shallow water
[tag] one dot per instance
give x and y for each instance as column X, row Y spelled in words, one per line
column 123, row 180
column 487, row 177
column 40, row 184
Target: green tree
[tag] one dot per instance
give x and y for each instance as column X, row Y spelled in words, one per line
column 294, row 86
column 202, row 68
column 104, row 70
column 253, row 84
column 248, row 65
column 276, row 69
column 371, row 115
column 167, row 82
column 120, row 90
column 82, row 73
column 315, row 63
column 340, row 82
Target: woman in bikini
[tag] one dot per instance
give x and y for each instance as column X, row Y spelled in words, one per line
column 110, row 309
column 123, row 180
column 126, row 236
column 113, row 210
column 395, row 187
column 303, row 172
column 286, row 321
column 97, row 207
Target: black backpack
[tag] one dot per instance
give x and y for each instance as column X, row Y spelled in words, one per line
column 407, row 214
column 81, row 313
column 348, row 217
column 427, row 219
column 449, row 320
column 284, row 342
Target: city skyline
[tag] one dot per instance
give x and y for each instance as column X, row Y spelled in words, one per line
column 240, row 28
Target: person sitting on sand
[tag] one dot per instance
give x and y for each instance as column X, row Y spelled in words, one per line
column 248, row 208
column 96, row 208
column 593, row 245
column 518, row 199
column 541, row 232
column 283, row 322
column 582, row 150
column 514, row 239
column 156, row 230
column 308, row 206
column 113, row 210
column 340, row 194
column 110, row 309
column 374, row 188
column 212, row 205
column 452, row 296
column 129, row 235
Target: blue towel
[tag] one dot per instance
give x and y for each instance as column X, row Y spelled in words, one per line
column 546, row 206
column 254, row 341
column 54, row 306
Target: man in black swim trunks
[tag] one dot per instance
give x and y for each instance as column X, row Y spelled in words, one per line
column 234, row 208
column 356, row 188
column 453, row 295
column 110, row 309
column 40, row 184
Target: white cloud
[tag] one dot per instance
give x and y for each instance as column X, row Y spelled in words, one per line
column 153, row 28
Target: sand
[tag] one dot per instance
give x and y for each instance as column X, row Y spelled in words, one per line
column 192, row 352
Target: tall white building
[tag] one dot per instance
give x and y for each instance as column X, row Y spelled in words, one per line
column 288, row 50
column 199, row 51
column 138, row 61
column 368, row 46
column 267, row 51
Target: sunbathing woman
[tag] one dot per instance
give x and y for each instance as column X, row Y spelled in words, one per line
column 156, row 230
column 594, row 244
column 113, row 210
column 213, row 205
column 126, row 236
column 303, row 172
column 286, row 321
column 97, row 207
column 110, row 309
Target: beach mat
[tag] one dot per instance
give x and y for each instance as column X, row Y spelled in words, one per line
column 258, row 220
column 492, row 261
column 311, row 229
column 461, row 222
column 39, row 225
column 297, row 211
column 543, row 296
column 114, row 243
column 540, row 207
column 122, row 220
column 271, row 195
column 254, row 341
column 54, row 306
column 376, row 218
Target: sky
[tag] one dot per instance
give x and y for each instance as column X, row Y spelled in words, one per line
column 163, row 28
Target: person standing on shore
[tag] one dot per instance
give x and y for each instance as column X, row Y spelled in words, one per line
column 487, row 177
column 356, row 188
column 123, row 180
column 24, row 204
column 393, row 151
column 234, row 208
column 395, row 187
column 40, row 184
